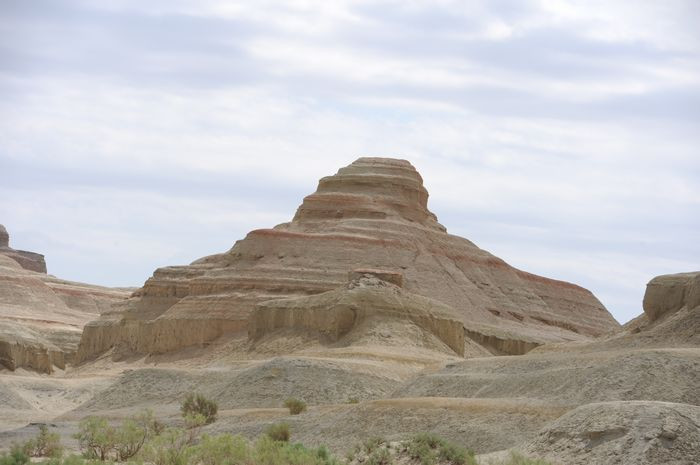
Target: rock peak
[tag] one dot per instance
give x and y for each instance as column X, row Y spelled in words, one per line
column 27, row 260
column 4, row 237
column 370, row 189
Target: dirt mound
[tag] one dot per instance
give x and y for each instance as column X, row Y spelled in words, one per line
column 483, row 425
column 622, row 433
column 257, row 384
column 671, row 375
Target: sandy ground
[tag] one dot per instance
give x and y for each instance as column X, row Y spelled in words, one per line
column 489, row 404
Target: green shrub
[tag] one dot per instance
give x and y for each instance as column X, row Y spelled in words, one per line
column 95, row 437
column 223, row 449
column 278, row 432
column 269, row 452
column 430, row 448
column 452, row 453
column 172, row 447
column 353, row 400
column 197, row 404
column 380, row 456
column 132, row 435
column 98, row 440
column 295, row 406
column 45, row 444
column 15, row 457
column 372, row 443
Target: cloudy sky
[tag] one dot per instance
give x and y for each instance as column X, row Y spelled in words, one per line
column 562, row 136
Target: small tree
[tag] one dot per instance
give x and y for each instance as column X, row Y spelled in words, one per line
column 295, row 406
column 95, row 437
column 172, row 447
column 46, row 444
column 197, row 404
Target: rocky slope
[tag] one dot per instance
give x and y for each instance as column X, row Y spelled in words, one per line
column 371, row 214
column 41, row 317
column 639, row 433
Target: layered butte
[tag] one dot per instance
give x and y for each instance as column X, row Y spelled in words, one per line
column 372, row 214
column 41, row 316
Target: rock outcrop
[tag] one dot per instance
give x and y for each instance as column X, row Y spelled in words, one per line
column 369, row 293
column 623, row 433
column 41, row 317
column 28, row 260
column 371, row 214
column 667, row 294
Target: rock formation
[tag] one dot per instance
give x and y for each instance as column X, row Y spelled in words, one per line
column 28, row 260
column 625, row 433
column 371, row 214
column 41, row 317
column 369, row 293
column 667, row 294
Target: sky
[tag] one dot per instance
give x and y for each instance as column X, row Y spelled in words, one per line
column 561, row 136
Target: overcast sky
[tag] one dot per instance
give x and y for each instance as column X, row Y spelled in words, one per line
column 562, row 136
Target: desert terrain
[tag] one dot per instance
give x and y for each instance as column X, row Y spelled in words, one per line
column 364, row 307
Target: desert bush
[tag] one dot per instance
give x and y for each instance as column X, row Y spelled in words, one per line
column 370, row 444
column 96, row 438
column 266, row 451
column 224, row 449
column 278, row 432
column 295, row 406
column 380, row 456
column 197, row 404
column 16, row 456
column 429, row 449
column 172, row 447
column 45, row 444
column 99, row 440
column 353, row 400
column 133, row 434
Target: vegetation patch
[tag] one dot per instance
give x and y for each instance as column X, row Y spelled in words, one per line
column 295, row 406
column 196, row 404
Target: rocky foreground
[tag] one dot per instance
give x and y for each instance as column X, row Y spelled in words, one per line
column 364, row 307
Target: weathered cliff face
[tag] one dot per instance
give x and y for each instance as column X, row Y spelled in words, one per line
column 28, row 260
column 41, row 317
column 667, row 294
column 368, row 294
column 371, row 214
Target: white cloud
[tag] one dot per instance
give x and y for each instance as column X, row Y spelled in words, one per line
column 576, row 159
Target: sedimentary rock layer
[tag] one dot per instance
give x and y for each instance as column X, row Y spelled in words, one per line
column 41, row 317
column 27, row 260
column 670, row 293
column 371, row 214
column 335, row 313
